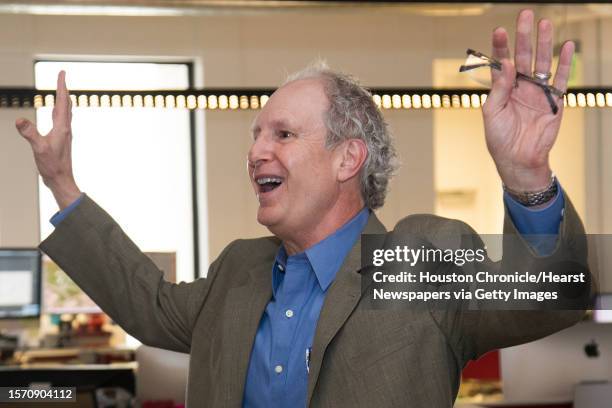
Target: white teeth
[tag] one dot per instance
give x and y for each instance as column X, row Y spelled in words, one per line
column 265, row 180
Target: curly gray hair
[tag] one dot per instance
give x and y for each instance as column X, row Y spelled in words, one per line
column 354, row 115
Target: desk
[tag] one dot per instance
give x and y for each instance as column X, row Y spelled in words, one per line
column 85, row 377
column 99, row 355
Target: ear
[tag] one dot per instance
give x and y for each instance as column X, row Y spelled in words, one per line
column 353, row 154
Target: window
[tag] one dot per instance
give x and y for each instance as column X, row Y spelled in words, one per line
column 134, row 162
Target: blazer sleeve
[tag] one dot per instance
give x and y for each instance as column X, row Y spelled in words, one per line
column 488, row 330
column 102, row 260
column 471, row 333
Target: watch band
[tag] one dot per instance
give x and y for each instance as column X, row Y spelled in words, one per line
column 533, row 198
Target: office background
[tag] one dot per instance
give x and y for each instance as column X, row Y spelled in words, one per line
column 445, row 167
column 397, row 46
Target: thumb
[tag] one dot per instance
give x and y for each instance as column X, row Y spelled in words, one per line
column 502, row 87
column 28, row 131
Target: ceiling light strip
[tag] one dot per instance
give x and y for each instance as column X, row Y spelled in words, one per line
column 253, row 99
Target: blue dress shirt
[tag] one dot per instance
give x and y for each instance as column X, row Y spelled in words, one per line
column 59, row 216
column 540, row 226
column 278, row 369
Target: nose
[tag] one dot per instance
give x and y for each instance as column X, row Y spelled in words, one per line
column 261, row 151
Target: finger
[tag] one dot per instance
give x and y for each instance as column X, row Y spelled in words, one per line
column 522, row 48
column 28, row 130
column 70, row 102
column 500, row 48
column 502, row 88
column 563, row 68
column 61, row 110
column 544, row 51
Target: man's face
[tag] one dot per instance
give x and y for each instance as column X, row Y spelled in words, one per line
column 292, row 173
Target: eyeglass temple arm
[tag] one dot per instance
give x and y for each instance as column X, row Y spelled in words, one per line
column 551, row 101
column 548, row 91
column 551, row 89
column 464, row 68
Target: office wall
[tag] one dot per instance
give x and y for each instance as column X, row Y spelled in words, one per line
column 603, row 130
column 18, row 178
column 387, row 47
column 467, row 184
column 246, row 50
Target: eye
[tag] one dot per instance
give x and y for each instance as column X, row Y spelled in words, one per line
column 285, row 134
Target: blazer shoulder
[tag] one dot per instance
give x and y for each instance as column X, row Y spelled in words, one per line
column 253, row 249
column 429, row 223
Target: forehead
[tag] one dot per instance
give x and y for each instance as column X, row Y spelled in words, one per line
column 298, row 104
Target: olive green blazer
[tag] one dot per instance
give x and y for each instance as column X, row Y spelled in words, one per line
column 360, row 357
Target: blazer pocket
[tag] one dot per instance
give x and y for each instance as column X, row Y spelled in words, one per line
column 369, row 348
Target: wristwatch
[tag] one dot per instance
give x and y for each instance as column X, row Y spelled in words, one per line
column 533, row 198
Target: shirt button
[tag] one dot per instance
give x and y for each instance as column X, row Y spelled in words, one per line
column 278, row 369
column 289, row 313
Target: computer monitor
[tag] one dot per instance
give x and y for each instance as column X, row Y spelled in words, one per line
column 603, row 308
column 20, row 272
column 546, row 371
column 61, row 294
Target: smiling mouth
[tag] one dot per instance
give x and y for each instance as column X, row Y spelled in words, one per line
column 267, row 184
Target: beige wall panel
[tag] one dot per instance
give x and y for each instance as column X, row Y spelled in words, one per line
column 412, row 190
column 231, row 201
column 19, row 185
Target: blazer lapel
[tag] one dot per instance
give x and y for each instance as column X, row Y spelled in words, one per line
column 343, row 296
column 246, row 305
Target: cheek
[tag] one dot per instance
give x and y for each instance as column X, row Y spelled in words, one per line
column 309, row 166
column 311, row 176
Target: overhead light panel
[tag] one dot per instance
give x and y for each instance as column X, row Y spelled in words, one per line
column 254, row 99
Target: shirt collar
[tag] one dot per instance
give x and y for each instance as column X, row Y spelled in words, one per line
column 327, row 256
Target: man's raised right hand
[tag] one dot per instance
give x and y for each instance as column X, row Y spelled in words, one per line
column 53, row 152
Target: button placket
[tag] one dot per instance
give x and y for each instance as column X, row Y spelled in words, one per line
column 289, row 300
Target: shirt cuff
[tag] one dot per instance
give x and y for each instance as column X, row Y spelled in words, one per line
column 544, row 220
column 60, row 215
column 540, row 226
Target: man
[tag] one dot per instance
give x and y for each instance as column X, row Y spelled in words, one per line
column 279, row 320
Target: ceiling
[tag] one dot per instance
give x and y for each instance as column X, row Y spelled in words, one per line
column 207, row 7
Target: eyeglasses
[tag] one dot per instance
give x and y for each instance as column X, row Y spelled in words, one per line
column 477, row 60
